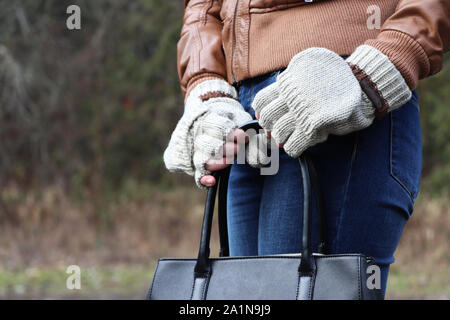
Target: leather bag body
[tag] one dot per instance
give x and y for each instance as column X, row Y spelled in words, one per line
column 301, row 276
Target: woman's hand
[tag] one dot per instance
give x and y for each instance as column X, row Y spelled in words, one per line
column 267, row 132
column 229, row 151
column 205, row 138
column 319, row 94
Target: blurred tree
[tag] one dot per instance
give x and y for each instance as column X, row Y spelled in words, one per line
column 93, row 108
column 434, row 95
column 89, row 106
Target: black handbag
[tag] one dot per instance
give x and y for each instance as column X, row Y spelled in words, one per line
column 302, row 276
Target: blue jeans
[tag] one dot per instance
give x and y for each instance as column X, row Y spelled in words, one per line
column 369, row 180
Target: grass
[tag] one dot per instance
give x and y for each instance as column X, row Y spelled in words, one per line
column 122, row 282
column 419, row 284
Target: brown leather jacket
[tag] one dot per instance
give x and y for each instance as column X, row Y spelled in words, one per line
column 240, row 39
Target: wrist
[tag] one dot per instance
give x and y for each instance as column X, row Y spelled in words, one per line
column 213, row 88
column 379, row 79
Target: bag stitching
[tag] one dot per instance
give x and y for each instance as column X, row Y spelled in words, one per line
column 192, row 288
column 313, row 278
column 298, row 286
column 332, row 256
column 203, row 295
column 205, row 292
column 359, row 279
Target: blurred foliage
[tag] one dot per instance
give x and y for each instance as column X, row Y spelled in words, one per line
column 434, row 97
column 93, row 109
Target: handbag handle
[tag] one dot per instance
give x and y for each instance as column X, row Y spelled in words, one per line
column 309, row 176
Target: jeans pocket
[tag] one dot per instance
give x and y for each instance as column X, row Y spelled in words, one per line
column 406, row 146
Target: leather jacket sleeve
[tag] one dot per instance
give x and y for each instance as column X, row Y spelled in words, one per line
column 199, row 50
column 416, row 37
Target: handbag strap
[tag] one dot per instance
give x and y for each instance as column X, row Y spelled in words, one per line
column 320, row 203
column 309, row 177
column 222, row 213
column 222, row 205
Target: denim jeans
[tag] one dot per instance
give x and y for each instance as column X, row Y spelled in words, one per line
column 369, row 181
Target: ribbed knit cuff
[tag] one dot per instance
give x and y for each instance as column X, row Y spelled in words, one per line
column 199, row 79
column 389, row 82
column 212, row 86
column 405, row 53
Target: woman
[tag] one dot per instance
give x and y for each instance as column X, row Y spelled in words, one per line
column 322, row 79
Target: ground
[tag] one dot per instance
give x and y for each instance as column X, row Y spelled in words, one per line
column 117, row 256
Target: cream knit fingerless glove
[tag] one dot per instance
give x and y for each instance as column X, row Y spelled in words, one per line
column 257, row 150
column 318, row 94
column 211, row 112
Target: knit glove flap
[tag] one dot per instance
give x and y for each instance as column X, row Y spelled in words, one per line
column 318, row 94
column 203, row 128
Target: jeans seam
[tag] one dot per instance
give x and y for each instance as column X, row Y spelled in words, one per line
column 347, row 184
column 391, row 161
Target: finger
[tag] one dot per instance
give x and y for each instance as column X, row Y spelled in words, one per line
column 283, row 128
column 265, row 96
column 215, row 126
column 228, row 150
column 257, row 115
column 208, row 180
column 217, row 164
column 208, row 146
column 257, row 151
column 271, row 113
column 238, row 135
column 296, row 144
column 229, row 108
